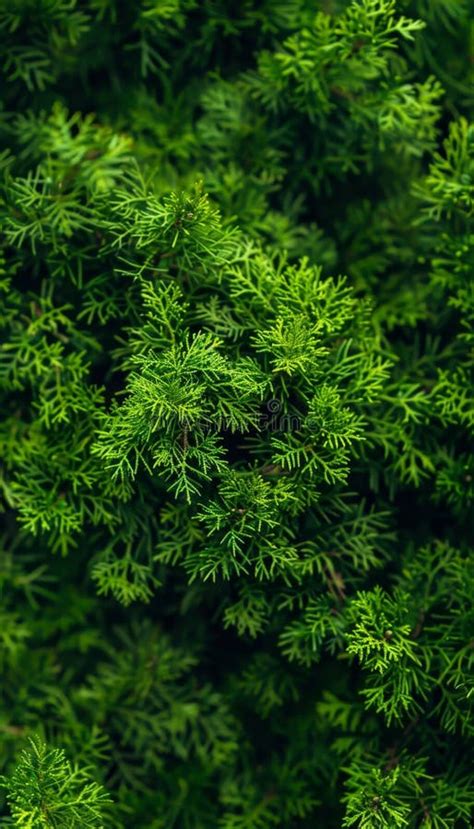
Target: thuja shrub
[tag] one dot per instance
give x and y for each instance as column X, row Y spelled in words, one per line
column 237, row 307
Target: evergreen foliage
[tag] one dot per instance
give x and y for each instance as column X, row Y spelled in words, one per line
column 236, row 374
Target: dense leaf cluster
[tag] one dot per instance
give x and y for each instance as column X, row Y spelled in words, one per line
column 236, row 375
